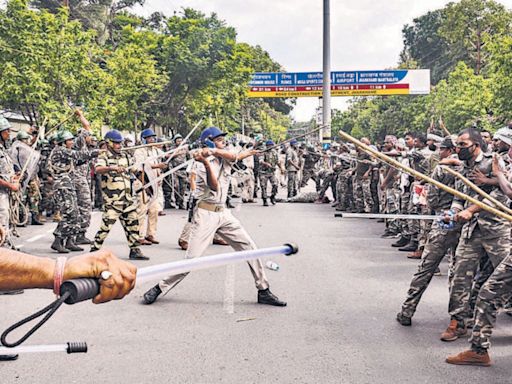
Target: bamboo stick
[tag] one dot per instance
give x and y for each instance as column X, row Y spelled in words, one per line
column 423, row 177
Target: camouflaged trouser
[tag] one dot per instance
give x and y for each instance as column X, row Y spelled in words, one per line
column 497, row 289
column 265, row 178
column 66, row 202
column 344, row 191
column 292, row 183
column 438, row 243
column 363, row 199
column 392, row 206
column 309, row 173
column 33, row 196
column 83, row 194
column 467, row 258
column 127, row 214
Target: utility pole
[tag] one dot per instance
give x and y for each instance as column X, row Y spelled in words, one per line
column 326, row 93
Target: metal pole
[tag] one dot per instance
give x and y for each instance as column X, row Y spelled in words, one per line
column 326, row 93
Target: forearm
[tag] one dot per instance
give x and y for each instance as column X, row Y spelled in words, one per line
column 211, row 179
column 504, row 185
column 85, row 123
column 19, row 270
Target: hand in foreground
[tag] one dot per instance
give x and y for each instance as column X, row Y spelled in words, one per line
column 92, row 264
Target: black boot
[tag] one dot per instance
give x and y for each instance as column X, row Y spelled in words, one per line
column 273, row 199
column 265, row 203
column 35, row 221
column 136, row 254
column 267, row 297
column 403, row 320
column 410, row 247
column 59, row 246
column 81, row 239
column 70, row 244
column 403, row 241
column 151, row 295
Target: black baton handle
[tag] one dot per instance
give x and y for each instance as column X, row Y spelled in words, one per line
column 80, row 290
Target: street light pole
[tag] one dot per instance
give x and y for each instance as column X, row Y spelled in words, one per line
column 326, row 92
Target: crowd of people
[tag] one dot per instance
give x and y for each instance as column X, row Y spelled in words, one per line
column 132, row 181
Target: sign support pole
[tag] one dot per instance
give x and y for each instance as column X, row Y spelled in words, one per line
column 326, row 91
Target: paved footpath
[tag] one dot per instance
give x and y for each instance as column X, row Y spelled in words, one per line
column 343, row 291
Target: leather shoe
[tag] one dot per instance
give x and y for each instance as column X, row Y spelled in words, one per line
column 219, row 241
column 454, row 331
column 268, row 298
column 151, row 295
column 415, row 255
column 183, row 244
column 410, row 247
column 136, row 254
column 145, row 242
column 152, row 240
column 470, row 357
column 161, row 213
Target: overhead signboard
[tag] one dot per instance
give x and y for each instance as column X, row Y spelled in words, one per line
column 351, row 83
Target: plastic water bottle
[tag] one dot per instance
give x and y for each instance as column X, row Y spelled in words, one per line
column 271, row 265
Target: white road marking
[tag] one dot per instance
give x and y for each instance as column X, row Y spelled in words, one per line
column 35, row 238
column 229, row 290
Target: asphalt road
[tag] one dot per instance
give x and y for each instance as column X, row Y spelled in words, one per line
column 343, row 289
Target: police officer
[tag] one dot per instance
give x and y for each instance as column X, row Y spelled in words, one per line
column 292, row 167
column 267, row 172
column 113, row 168
column 211, row 215
column 61, row 163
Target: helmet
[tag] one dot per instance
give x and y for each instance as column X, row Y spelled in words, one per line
column 269, row 143
column 209, row 134
column 178, row 136
column 294, row 142
column 22, row 135
column 147, row 133
column 63, row 136
column 4, row 124
column 114, row 136
column 504, row 134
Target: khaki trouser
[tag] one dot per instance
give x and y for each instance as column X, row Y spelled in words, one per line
column 149, row 210
column 4, row 210
column 204, row 226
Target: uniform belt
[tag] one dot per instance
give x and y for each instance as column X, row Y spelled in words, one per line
column 210, row 207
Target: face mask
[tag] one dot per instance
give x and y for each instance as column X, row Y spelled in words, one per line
column 465, row 153
column 432, row 147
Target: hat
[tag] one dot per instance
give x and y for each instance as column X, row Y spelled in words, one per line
column 504, row 134
column 447, row 143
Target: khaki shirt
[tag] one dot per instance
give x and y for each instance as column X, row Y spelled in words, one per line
column 222, row 170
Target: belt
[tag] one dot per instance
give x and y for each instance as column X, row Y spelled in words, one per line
column 210, row 207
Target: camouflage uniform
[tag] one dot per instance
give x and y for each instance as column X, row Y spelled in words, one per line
column 310, row 160
column 392, row 198
column 484, row 233
column 81, row 180
column 47, row 188
column 438, row 242
column 267, row 174
column 61, row 163
column 362, row 180
column 344, row 185
column 291, row 157
column 6, row 173
column 118, row 200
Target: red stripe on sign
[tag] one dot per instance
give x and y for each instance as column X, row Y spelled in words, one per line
column 333, row 88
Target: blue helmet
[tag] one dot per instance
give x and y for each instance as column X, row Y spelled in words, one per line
column 294, row 142
column 114, row 135
column 269, row 143
column 147, row 133
column 209, row 134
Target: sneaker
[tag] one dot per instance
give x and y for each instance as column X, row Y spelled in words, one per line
column 470, row 357
column 152, row 295
column 403, row 320
column 437, row 272
column 268, row 298
column 454, row 331
column 415, row 255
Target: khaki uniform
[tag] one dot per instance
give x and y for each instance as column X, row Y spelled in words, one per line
column 148, row 206
column 6, row 173
column 210, row 217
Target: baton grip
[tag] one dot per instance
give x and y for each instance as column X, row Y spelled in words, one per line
column 80, row 290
